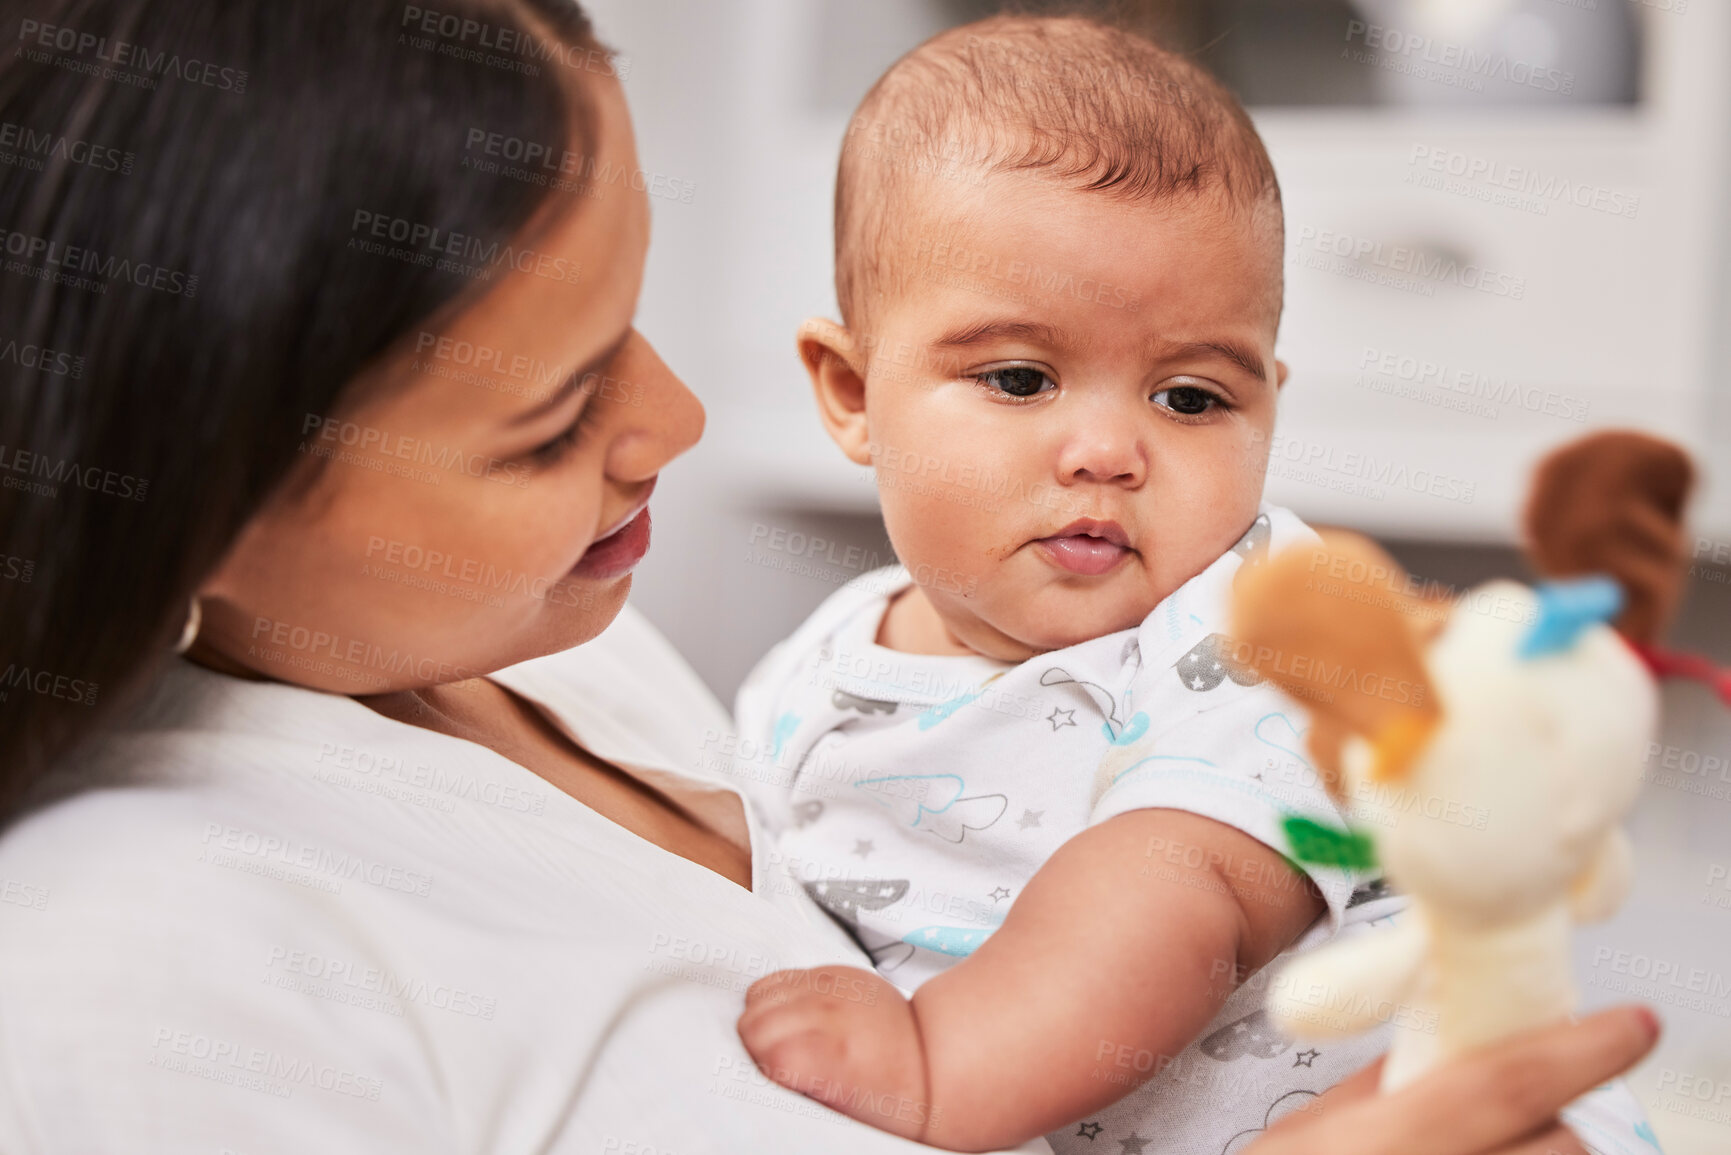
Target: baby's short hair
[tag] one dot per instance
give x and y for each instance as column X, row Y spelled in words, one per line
column 1088, row 104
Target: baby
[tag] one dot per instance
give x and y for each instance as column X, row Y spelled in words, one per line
column 1026, row 774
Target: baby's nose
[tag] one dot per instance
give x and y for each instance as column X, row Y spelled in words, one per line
column 1104, row 451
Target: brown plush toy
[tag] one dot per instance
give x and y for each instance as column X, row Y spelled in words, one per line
column 1612, row 503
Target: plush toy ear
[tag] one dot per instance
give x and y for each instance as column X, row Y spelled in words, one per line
column 1612, row 504
column 1335, row 627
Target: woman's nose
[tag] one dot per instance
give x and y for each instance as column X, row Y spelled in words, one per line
column 661, row 419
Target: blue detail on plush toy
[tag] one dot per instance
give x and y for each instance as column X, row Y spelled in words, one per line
column 1566, row 608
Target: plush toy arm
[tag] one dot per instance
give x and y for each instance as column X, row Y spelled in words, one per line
column 1603, row 886
column 1348, row 987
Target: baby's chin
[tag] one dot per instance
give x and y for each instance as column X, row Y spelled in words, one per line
column 1026, row 634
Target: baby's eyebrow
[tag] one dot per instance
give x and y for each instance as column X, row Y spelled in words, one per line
column 1039, row 333
column 1238, row 353
column 980, row 332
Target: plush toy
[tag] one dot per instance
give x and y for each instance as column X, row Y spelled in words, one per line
column 1492, row 743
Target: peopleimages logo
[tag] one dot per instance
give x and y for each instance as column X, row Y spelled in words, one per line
column 1410, row 262
column 1457, row 64
column 83, row 267
column 29, row 147
column 1665, row 980
column 225, row 844
column 366, row 439
column 55, row 364
column 465, row 38
column 419, row 243
column 1470, row 385
column 277, row 641
column 38, row 39
column 544, row 164
column 47, row 684
column 1543, row 187
column 254, row 1068
column 1365, row 474
column 43, row 475
column 1718, row 878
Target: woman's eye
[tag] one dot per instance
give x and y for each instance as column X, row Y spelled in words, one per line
column 556, row 449
column 560, row 447
column 1016, row 381
column 1186, row 399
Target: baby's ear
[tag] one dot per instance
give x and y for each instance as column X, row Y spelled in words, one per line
column 832, row 357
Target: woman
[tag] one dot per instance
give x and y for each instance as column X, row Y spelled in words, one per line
column 334, row 388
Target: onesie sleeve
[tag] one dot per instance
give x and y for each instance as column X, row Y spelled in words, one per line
column 1227, row 747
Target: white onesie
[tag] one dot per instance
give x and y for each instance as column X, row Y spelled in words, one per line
column 914, row 796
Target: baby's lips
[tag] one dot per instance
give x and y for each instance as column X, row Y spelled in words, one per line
column 1105, row 529
column 1083, row 554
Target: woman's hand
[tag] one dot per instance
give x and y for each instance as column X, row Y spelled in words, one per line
column 1501, row 1101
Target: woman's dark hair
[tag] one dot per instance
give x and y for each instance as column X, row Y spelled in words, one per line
column 188, row 190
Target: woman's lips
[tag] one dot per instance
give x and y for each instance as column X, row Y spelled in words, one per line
column 1083, row 554
column 618, row 553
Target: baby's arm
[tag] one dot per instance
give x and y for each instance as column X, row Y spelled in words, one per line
column 1115, row 943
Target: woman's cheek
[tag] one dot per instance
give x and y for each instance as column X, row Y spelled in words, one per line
column 545, row 523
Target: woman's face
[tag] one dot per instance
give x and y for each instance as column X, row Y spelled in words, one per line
column 489, row 507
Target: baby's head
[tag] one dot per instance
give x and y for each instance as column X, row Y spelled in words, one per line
column 1058, row 258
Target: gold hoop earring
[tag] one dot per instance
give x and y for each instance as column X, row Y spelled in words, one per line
column 189, row 633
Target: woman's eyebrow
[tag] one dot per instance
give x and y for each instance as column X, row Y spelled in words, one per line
column 573, row 381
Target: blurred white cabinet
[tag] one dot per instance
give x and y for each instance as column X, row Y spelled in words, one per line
column 1611, row 223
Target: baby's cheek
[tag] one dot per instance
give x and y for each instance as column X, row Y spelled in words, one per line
column 1250, row 446
column 1225, row 471
column 934, row 531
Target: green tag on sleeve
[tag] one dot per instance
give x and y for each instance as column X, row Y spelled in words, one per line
column 1319, row 845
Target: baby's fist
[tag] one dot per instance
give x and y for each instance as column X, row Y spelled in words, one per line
column 844, row 1037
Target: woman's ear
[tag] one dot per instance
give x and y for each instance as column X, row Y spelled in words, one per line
column 832, row 357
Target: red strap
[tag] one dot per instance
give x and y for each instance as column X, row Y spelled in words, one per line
column 1675, row 664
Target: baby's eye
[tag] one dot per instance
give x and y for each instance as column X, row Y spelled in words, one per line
column 1016, row 380
column 1187, row 400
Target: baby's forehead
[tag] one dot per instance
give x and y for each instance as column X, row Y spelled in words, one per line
column 1003, row 236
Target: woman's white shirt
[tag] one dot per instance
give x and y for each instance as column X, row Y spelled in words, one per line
column 278, row 921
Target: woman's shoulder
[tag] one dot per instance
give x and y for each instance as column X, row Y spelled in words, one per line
column 148, row 980
column 165, row 873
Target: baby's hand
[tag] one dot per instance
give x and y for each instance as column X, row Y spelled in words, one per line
column 844, row 1037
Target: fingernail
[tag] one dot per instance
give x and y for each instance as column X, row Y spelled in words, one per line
column 1649, row 1021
